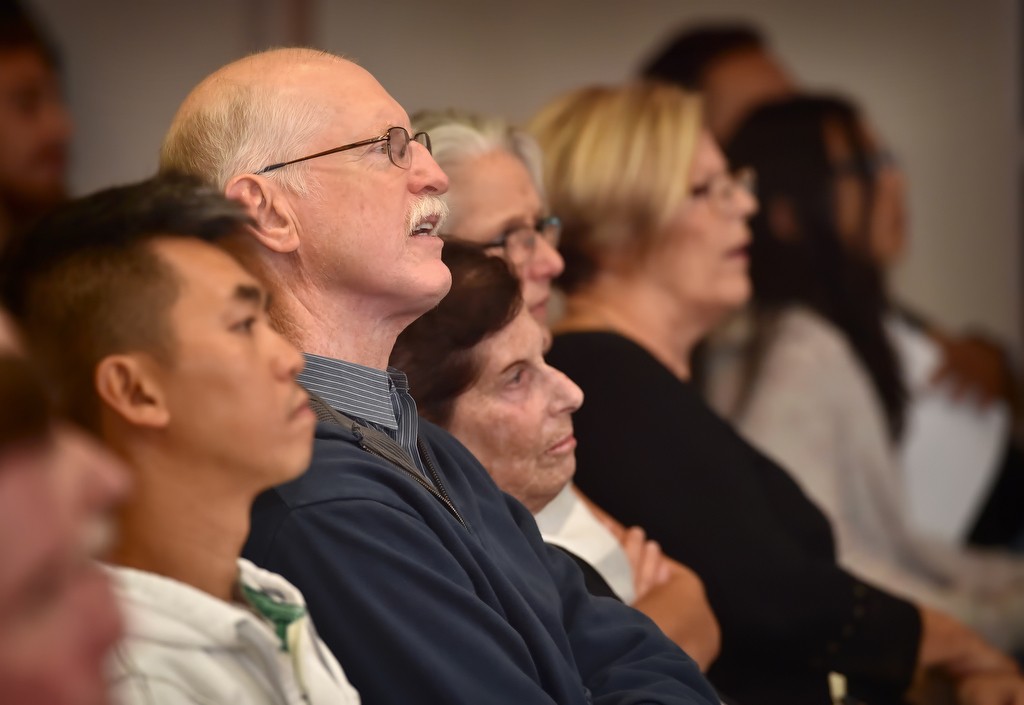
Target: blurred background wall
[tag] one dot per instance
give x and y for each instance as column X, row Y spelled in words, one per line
column 941, row 80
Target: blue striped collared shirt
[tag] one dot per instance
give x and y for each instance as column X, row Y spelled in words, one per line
column 375, row 397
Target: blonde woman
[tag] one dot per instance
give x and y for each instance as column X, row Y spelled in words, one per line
column 655, row 246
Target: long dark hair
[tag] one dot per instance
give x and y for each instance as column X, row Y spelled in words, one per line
column 813, row 266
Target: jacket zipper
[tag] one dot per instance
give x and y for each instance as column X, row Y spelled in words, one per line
column 437, row 479
column 322, row 408
column 443, row 498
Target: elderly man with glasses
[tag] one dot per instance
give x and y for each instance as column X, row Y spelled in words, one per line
column 425, row 580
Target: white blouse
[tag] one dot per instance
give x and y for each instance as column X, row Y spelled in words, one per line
column 567, row 521
column 814, row 410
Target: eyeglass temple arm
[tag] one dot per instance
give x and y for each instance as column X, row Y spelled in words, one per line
column 324, row 153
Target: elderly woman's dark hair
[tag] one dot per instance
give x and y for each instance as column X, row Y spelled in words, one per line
column 436, row 351
column 812, row 265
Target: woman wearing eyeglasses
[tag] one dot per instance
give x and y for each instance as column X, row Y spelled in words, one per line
column 655, row 244
column 495, row 197
column 811, row 375
column 497, row 208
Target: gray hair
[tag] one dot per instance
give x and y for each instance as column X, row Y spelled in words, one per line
column 239, row 129
column 457, row 136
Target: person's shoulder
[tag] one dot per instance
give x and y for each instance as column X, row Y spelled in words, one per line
column 340, row 470
column 153, row 601
column 171, row 629
column 803, row 336
column 129, row 685
column 258, row 578
column 574, row 344
column 150, row 674
column 452, row 456
column 467, row 479
column 609, row 358
column 623, row 381
column 441, row 439
column 343, row 472
column 164, row 613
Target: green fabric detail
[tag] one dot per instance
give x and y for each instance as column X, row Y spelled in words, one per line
column 281, row 614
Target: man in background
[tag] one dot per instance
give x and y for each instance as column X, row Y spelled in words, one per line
column 35, row 126
column 730, row 65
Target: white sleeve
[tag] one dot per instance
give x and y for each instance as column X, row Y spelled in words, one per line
column 813, row 409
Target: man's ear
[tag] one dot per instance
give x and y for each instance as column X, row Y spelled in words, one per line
column 269, row 207
column 127, row 385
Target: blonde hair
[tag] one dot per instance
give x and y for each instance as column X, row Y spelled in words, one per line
column 457, row 136
column 233, row 123
column 617, row 164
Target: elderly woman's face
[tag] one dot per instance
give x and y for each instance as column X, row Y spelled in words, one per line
column 517, row 418
column 491, row 195
column 703, row 262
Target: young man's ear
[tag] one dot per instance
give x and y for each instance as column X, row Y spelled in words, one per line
column 127, row 385
column 269, row 207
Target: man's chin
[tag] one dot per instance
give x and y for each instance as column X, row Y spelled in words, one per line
column 444, row 285
column 428, row 299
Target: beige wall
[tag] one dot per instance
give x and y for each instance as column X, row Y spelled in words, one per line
column 939, row 78
column 129, row 64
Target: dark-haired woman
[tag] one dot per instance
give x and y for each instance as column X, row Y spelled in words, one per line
column 476, row 364
column 815, row 381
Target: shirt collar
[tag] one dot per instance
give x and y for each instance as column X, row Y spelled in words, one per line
column 355, row 390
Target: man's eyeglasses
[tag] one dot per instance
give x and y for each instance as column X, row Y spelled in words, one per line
column 518, row 244
column 398, row 140
column 721, row 190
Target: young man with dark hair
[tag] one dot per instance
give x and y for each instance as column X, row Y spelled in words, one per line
column 158, row 342
column 730, row 64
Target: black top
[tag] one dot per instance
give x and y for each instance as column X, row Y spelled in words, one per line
column 652, row 453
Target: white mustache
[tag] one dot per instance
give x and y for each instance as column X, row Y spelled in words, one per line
column 425, row 207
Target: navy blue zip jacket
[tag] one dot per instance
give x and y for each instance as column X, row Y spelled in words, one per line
column 419, row 608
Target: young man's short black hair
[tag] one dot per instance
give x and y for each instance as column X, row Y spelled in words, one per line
column 85, row 282
column 686, row 57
